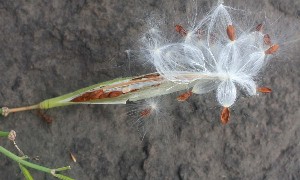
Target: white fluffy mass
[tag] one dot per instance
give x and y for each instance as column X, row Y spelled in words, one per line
column 216, row 54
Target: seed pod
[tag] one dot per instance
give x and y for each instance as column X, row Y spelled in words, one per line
column 225, row 115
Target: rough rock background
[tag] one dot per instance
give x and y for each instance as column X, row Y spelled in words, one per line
column 49, row 48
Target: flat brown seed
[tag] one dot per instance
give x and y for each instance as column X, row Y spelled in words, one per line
column 152, row 75
column 114, row 94
column 180, row 30
column 225, row 115
column 81, row 98
column 264, row 90
column 104, row 95
column 231, row 32
column 145, row 112
column 133, row 90
column 96, row 94
column 184, row 96
column 88, row 96
column 259, row 27
column 272, row 49
column 48, row 119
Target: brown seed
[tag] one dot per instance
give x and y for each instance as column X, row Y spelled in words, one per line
column 180, row 30
column 81, row 98
column 231, row 32
column 152, row 75
column 95, row 94
column 89, row 96
column 264, row 90
column 267, row 40
column 272, row 49
column 133, row 90
column 114, row 94
column 259, row 27
column 145, row 112
column 104, row 95
column 184, row 96
column 48, row 119
column 225, row 115
column 84, row 97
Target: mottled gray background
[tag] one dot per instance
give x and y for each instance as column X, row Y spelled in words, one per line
column 49, row 48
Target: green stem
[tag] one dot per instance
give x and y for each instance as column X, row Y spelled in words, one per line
column 4, row 134
column 23, row 162
column 62, row 169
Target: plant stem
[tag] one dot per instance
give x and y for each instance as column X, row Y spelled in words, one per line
column 26, row 108
column 4, row 111
column 4, row 134
column 63, row 168
column 23, row 162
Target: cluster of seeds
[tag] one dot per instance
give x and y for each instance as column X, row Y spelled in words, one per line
column 215, row 54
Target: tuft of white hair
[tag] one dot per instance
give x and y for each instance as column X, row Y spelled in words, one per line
column 215, row 54
column 149, row 117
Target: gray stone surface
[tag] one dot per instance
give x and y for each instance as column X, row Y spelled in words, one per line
column 49, row 48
